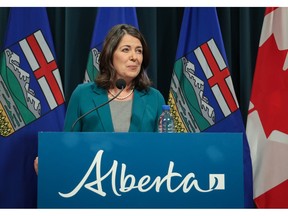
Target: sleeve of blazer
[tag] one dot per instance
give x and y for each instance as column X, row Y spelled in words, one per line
column 161, row 101
column 73, row 111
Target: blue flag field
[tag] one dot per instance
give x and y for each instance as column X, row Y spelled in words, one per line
column 31, row 100
column 202, row 96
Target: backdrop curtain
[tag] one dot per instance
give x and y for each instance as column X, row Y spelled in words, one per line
column 72, row 29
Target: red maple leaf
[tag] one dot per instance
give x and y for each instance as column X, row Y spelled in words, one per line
column 270, row 88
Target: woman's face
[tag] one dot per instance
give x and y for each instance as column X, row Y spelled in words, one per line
column 128, row 57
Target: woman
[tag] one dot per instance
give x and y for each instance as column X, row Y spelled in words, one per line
column 138, row 107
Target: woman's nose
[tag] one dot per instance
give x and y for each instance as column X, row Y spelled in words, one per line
column 133, row 56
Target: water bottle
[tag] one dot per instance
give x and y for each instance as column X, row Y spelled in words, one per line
column 166, row 122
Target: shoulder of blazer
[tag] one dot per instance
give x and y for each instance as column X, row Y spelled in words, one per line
column 91, row 87
column 150, row 91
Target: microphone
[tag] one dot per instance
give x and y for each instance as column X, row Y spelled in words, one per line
column 120, row 84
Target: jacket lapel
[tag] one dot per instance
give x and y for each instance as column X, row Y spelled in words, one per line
column 138, row 109
column 104, row 112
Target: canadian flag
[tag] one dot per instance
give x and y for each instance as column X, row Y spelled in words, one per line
column 267, row 122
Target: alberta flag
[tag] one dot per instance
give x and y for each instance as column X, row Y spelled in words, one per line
column 202, row 96
column 31, row 100
column 267, row 122
column 106, row 18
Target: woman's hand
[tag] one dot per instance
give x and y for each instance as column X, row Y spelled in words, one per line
column 36, row 165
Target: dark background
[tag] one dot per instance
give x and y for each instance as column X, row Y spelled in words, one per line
column 72, row 29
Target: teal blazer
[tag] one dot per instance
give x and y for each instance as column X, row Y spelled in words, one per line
column 146, row 109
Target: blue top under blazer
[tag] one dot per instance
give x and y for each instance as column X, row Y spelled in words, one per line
column 146, row 109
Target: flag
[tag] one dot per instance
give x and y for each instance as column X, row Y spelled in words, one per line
column 106, row 18
column 31, row 100
column 201, row 95
column 267, row 128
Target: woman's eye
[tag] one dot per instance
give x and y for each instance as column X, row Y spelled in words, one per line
column 139, row 51
column 125, row 50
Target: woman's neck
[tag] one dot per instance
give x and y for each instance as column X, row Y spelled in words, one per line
column 126, row 94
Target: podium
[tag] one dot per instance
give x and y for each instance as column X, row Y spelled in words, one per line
column 140, row 170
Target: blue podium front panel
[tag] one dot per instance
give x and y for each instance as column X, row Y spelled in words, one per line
column 140, row 170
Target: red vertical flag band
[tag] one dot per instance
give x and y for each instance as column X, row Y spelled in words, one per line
column 267, row 128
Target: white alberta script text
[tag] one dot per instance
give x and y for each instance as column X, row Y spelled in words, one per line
column 146, row 183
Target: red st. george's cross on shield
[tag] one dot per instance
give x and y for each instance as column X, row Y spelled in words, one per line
column 218, row 76
column 45, row 69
